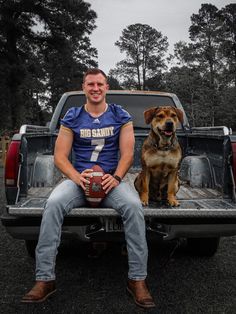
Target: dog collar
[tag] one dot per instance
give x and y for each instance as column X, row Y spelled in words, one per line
column 170, row 146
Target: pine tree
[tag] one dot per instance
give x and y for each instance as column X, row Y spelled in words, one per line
column 44, row 48
column 144, row 47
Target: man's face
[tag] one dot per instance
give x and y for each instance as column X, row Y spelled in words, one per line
column 95, row 88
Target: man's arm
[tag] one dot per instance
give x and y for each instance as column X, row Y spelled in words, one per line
column 62, row 151
column 126, row 144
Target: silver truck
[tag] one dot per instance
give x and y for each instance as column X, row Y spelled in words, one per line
column 207, row 197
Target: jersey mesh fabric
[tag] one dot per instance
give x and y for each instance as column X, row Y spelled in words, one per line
column 96, row 140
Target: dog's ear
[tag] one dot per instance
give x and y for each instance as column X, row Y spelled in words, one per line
column 180, row 114
column 149, row 114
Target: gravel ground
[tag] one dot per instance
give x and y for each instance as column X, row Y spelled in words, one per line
column 84, row 285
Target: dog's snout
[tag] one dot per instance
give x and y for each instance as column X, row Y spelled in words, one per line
column 169, row 125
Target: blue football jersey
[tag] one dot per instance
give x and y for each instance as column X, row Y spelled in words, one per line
column 96, row 140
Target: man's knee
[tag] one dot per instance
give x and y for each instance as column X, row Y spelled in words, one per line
column 133, row 210
column 135, row 205
column 53, row 202
column 129, row 195
column 53, row 207
column 133, row 202
column 66, row 196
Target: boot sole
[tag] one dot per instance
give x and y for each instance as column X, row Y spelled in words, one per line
column 39, row 300
column 130, row 294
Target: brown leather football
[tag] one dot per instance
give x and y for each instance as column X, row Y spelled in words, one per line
column 94, row 192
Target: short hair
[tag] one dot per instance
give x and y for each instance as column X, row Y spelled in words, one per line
column 93, row 71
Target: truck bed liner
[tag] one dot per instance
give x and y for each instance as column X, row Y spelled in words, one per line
column 194, row 202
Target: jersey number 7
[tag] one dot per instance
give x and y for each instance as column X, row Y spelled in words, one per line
column 99, row 144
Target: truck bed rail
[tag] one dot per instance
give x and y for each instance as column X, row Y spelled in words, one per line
column 27, row 128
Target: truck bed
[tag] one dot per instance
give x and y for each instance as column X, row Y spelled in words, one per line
column 194, row 203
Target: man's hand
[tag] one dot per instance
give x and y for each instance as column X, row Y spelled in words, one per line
column 82, row 178
column 109, row 182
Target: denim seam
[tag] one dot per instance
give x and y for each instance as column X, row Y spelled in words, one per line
column 57, row 244
column 58, row 241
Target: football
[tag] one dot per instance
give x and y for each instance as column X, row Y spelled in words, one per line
column 94, row 192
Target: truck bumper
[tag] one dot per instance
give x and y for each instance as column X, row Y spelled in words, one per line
column 197, row 230
column 109, row 228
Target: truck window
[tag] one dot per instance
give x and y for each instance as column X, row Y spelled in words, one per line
column 134, row 104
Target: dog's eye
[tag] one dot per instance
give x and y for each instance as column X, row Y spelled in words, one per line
column 160, row 116
column 173, row 115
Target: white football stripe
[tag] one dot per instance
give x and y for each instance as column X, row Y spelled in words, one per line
column 97, row 174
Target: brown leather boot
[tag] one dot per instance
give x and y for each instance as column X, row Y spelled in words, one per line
column 40, row 292
column 139, row 291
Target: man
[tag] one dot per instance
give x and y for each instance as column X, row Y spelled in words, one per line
column 95, row 114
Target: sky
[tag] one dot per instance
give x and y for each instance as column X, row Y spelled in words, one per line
column 170, row 17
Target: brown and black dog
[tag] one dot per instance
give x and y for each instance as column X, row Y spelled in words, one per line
column 161, row 156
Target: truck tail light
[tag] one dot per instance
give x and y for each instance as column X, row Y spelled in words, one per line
column 12, row 164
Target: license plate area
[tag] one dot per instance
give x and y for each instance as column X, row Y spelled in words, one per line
column 114, row 225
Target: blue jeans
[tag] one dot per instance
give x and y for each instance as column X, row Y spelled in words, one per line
column 68, row 195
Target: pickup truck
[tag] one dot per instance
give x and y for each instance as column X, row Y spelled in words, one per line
column 207, row 193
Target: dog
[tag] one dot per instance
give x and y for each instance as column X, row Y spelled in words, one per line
column 161, row 156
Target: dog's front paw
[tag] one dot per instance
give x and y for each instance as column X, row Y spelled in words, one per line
column 144, row 203
column 173, row 202
column 144, row 200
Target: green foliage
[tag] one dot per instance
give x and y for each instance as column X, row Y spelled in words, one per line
column 203, row 72
column 228, row 42
column 113, row 83
column 144, row 47
column 204, row 76
column 44, row 49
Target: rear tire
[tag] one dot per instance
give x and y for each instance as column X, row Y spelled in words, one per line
column 203, row 246
column 30, row 247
